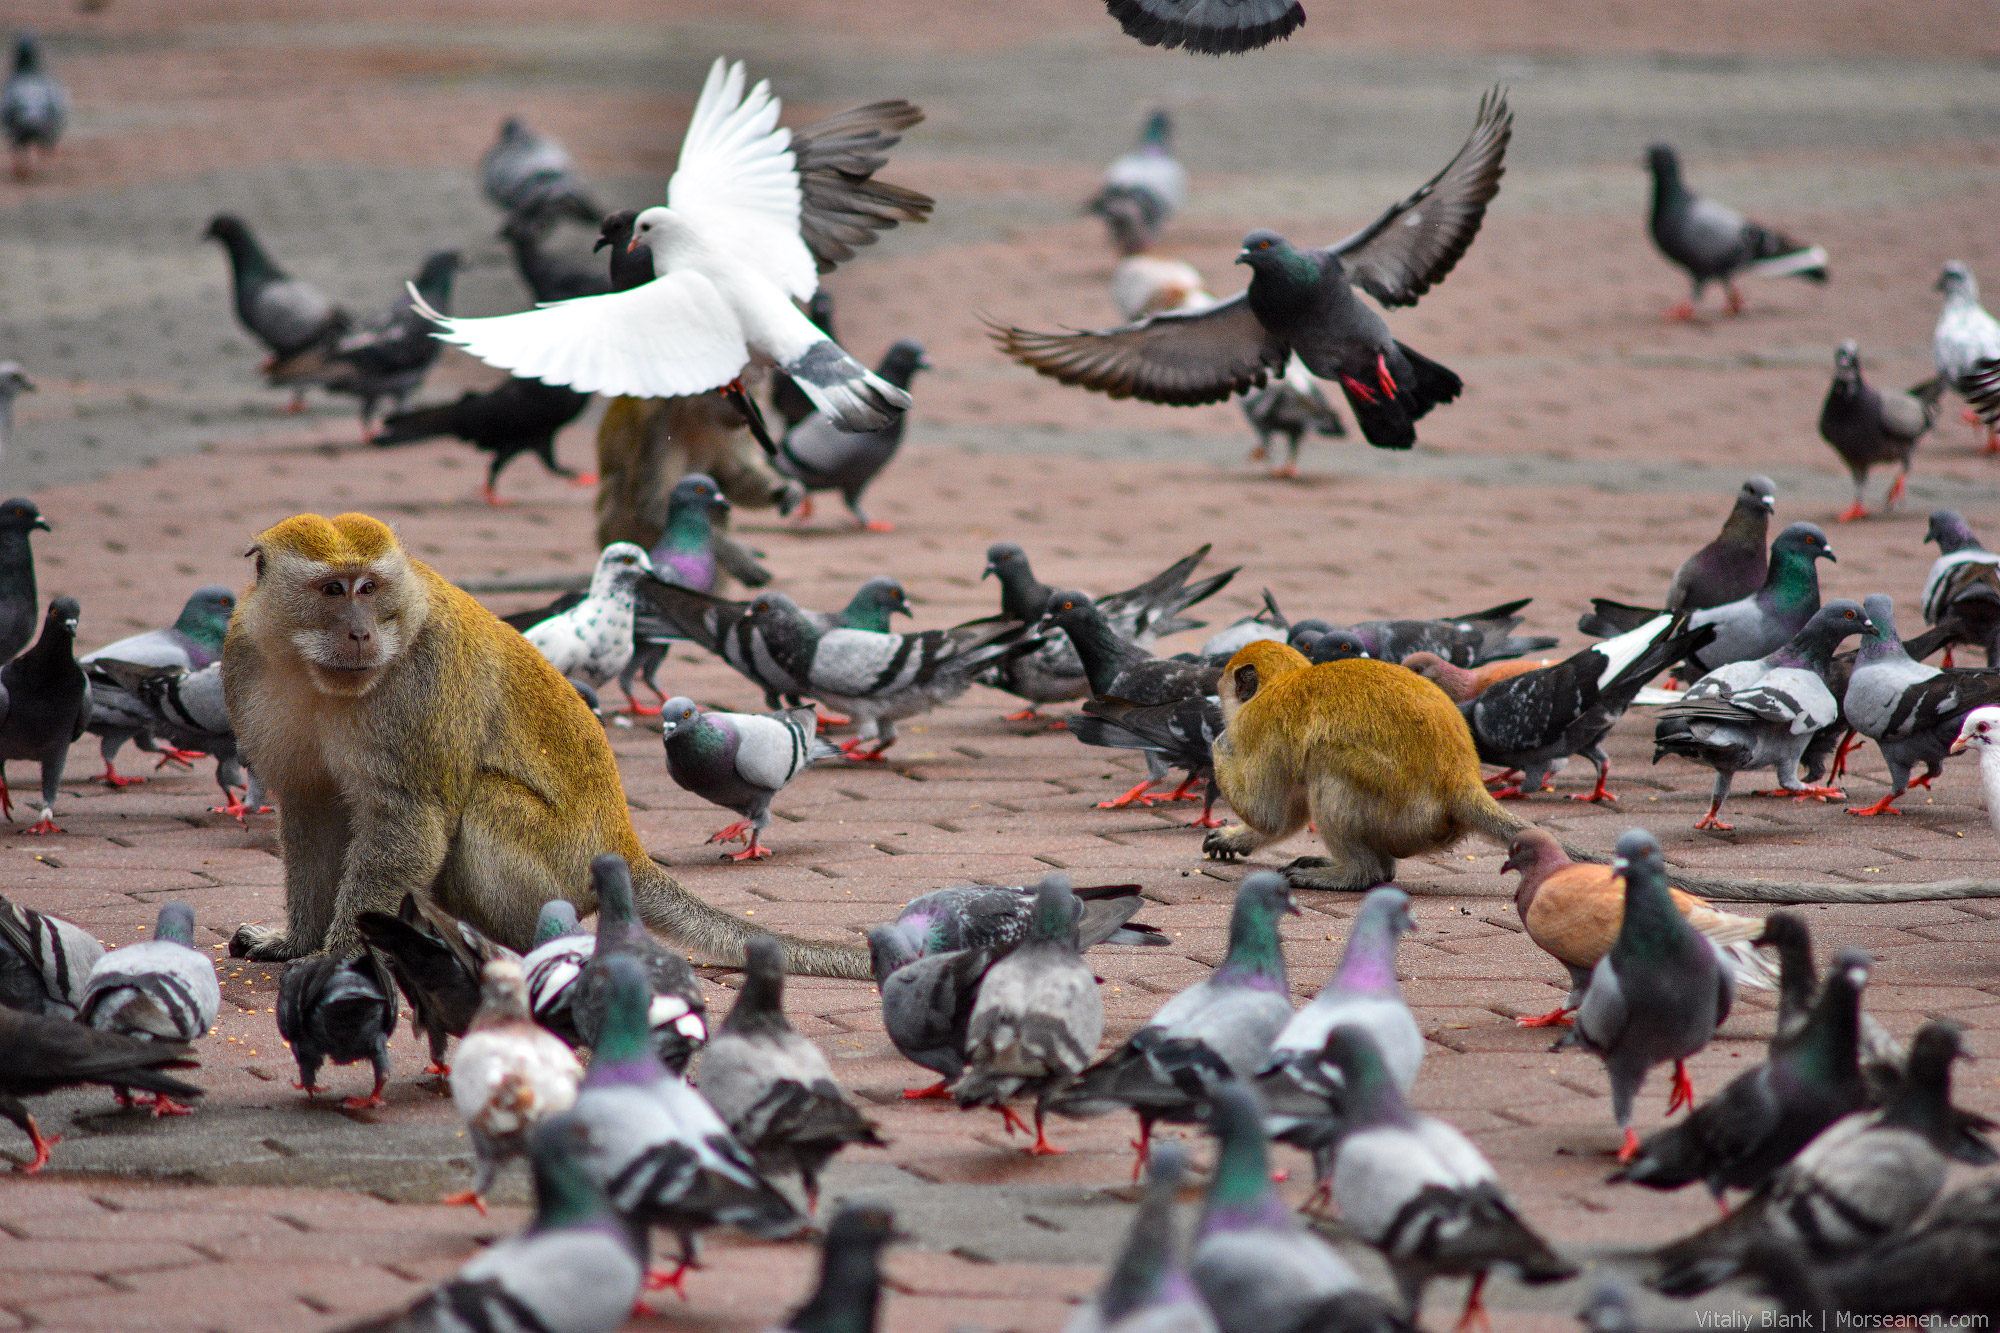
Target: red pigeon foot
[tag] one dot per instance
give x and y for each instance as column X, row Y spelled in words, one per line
column 1554, row 1018
column 465, row 1198
column 938, row 1091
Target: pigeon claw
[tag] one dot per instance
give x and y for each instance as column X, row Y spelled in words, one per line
column 1681, row 1098
column 1473, row 1319
column 492, row 497
column 740, row 831
column 465, row 1198
column 1596, row 793
column 751, row 853
column 1679, row 313
column 1041, row 1147
column 1554, row 1018
column 1734, row 302
column 112, row 778
column 1511, row 792
column 1881, row 807
column 1709, row 820
column 1383, row 377
column 1357, row 388
column 371, row 1101
column 655, row 1280
column 1027, row 714
column 1852, row 512
column 825, row 719
column 939, row 1091
column 1895, row 491
column 45, row 824
column 1137, row 796
column 584, row 479
column 170, row 755
column 1629, row 1148
column 165, row 1105
column 437, row 1069
column 1010, row 1121
column 42, row 1143
column 878, row 525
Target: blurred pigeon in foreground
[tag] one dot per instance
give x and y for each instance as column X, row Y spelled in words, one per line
column 44, row 708
column 40, row 1055
column 162, row 989
column 1657, row 996
column 192, row 642
column 510, row 1074
column 33, row 108
column 1966, row 338
column 676, row 1013
column 740, row 761
column 343, row 1010
column 1962, row 591
column 1712, row 242
column 44, row 961
column 850, row 1273
column 526, row 172
column 1147, row 1288
column 1148, row 177
column 516, row 417
column 1733, row 565
column 290, row 316
column 388, row 356
column 20, row 607
column 1211, row 27
column 773, row 1088
column 14, row 382
column 562, row 950
column 1305, row 302
column 1913, row 712
column 1866, row 426
column 823, row 457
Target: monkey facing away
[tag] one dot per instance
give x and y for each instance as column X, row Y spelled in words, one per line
column 418, row 745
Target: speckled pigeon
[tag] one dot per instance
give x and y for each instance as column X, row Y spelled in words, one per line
column 44, row 961
column 1866, row 426
column 40, row 1054
column 740, row 761
column 1962, row 591
column 1966, row 337
column 677, row 1013
column 1304, row 301
column 774, row 1088
column 592, row 640
column 510, row 1074
column 821, row 456
column 1218, row 1029
column 191, row 643
column 1147, row 1288
column 1734, row 564
column 1658, row 996
column 1910, row 710
column 341, row 1010
column 1712, row 242
column 1747, row 715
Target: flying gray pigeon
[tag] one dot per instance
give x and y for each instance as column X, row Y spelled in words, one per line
column 578, row 1268
column 517, row 416
column 44, row 708
column 388, row 356
column 188, row 711
column 676, row 1012
column 1304, row 302
column 1962, row 592
column 1218, row 1029
column 40, row 1054
column 1659, row 995
column 162, row 989
column 44, row 961
column 850, row 1273
column 1965, row 340
column 341, row 1010
column 1258, row 1269
column 1148, row 178
column 1038, row 1018
column 1147, row 1289
column 927, row 1002
column 526, row 172
column 1913, row 712
column 1747, row 715
column 823, row 457
column 510, row 1075
column 20, row 607
column 1712, row 242
column 192, row 642
column 772, row 1087
column 656, row 1145
column 1001, row 916
column 562, row 950
column 437, row 960
column 740, row 761
column 33, row 108
column 290, row 316
column 1732, row 566
column 1866, row 426
column 1416, row 1189
column 14, row 382
column 1211, row 27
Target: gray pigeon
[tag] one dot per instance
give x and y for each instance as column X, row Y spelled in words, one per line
column 1866, row 426
column 162, row 989
column 1416, row 1189
column 1148, row 177
column 44, row 708
column 660, row 1150
column 341, row 1010
column 1732, row 566
column 823, row 457
column 1001, row 916
column 578, row 1267
column 1712, row 242
column 1290, row 406
column 40, row 1054
column 44, row 961
column 1658, row 996
column 562, row 950
column 1147, row 1289
column 1305, row 302
column 1038, row 1018
column 1258, row 1269
column 33, row 108
column 740, row 761
column 1218, row 1029
column 526, row 172
column 927, row 1002
column 1749, row 715
column 1467, row 641
column 772, row 1087
column 1266, row 624
column 388, row 356
column 1910, row 710
column 850, row 1273
column 20, row 606
column 510, row 1075
column 192, row 642
column 1212, row 27
column 676, row 1013
column 1965, row 340
column 188, row 711
column 14, row 382
column 290, row 316
column 1962, row 592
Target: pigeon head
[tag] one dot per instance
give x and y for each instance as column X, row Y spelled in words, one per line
column 205, row 617
column 664, row 232
column 1368, row 1093
column 1635, row 846
column 27, row 54
column 1803, row 541
column 1256, row 952
column 1663, row 162
column 1786, row 930
column 565, row 1193
column 1308, row 626
column 1535, row 855
column 1271, row 256
column 64, row 612
column 1759, row 493
column 1957, row 282
column 887, row 951
column 1071, row 608
column 13, row 381
column 1881, row 612
column 1336, row 645
column 511, row 129
column 611, row 878
column 616, row 229
column 1850, row 970
column 1056, row 911
column 227, row 228
column 1004, row 558
column 1159, row 130
column 1458, row 684
column 19, row 515
column 176, row 923
column 760, row 1005
column 557, row 919
column 1368, row 963
column 625, row 1037
column 1951, row 532
column 1239, row 1190
column 678, row 714
column 1980, row 731
column 434, row 279
column 1833, row 622
column 902, row 361
column 820, row 311
column 621, row 563
column 1847, row 362
column 874, row 602
column 696, row 493
column 850, row 1276
column 503, row 990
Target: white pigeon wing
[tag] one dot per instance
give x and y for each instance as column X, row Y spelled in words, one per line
column 738, row 181
column 671, row 338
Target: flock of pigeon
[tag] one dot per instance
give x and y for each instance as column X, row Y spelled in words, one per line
column 1838, row 1143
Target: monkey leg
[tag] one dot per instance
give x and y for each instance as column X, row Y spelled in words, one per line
column 399, row 846
column 313, row 835
column 1353, row 868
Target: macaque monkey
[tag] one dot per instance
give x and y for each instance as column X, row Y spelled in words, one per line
column 417, row 744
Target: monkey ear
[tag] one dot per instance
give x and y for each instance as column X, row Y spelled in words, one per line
column 1246, row 682
column 254, row 549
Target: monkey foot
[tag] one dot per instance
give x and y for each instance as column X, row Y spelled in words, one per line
column 878, row 525
column 1137, row 796
column 1709, row 821
column 465, row 1198
column 655, row 1280
column 1682, row 1096
column 42, row 1143
column 1629, row 1148
column 584, row 479
column 936, row 1092
column 111, row 777
column 1554, row 1018
column 169, row 755
column 1881, row 807
column 1852, row 512
column 1027, row 714
column 43, row 825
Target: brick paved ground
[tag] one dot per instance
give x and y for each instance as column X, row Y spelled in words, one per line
column 1593, row 449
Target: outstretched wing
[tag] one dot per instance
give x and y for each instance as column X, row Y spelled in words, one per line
column 738, row 181
column 672, row 337
column 1182, row 358
column 1411, row 247
column 844, row 206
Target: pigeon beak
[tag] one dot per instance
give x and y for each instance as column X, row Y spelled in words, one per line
column 987, row 573
column 1827, row 551
column 632, row 244
column 1242, row 256
column 1770, row 504
column 1959, row 746
column 43, row 524
column 602, row 241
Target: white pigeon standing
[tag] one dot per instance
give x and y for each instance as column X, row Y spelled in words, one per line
column 1981, row 731
column 13, row 382
column 508, row 1076
column 162, row 989
column 592, row 640
column 729, row 263
column 1966, row 335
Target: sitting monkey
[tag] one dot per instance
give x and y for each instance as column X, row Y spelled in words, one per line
column 418, row 745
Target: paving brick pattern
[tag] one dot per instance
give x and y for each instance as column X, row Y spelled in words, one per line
column 1593, row 449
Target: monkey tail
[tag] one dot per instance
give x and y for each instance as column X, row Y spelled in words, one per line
column 713, row 935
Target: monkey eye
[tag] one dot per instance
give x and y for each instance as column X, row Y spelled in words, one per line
column 365, row 586
column 332, row 588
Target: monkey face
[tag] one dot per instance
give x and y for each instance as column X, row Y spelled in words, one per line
column 347, row 626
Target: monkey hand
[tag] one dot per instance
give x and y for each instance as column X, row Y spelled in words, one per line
column 1226, row 844
column 261, row 944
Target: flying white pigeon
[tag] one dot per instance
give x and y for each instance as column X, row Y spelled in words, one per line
column 729, row 262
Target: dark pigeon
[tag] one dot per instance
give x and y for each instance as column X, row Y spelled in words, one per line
column 1118, row 668
column 1733, row 565
column 676, row 1012
column 192, row 642
column 40, row 1055
column 1305, row 302
column 1180, row 734
column 850, row 1273
column 1866, row 426
column 739, row 761
column 1211, row 27
column 1334, row 645
column 630, row 265
column 1961, row 596
column 45, row 961
column 515, row 417
column 1910, row 710
column 388, row 356
column 529, row 172
column 1658, row 996
column 44, row 708
column 998, row 916
column 823, row 457
column 437, row 960
column 290, row 316
column 33, row 108
column 20, row 607
column 1147, row 1288
column 341, row 1010
column 1469, row 640
column 1711, row 242
column 547, row 275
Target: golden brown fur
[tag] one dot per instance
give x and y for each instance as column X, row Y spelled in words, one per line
column 1376, row 757
column 645, row 445
column 417, row 744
